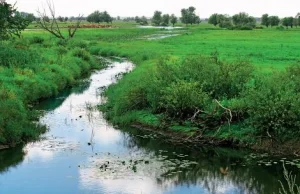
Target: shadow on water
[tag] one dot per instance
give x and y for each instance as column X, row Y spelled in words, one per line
column 11, row 158
column 55, row 102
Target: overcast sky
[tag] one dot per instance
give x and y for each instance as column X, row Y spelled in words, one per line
column 205, row 8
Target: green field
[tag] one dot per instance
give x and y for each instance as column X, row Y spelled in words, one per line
column 146, row 95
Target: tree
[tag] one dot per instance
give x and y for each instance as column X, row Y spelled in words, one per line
column 197, row 20
column 214, row 19
column 165, row 19
column 105, row 17
column 143, row 20
column 274, row 21
column 295, row 22
column 243, row 20
column 61, row 19
column 11, row 21
column 288, row 21
column 28, row 16
column 94, row 17
column 137, row 19
column 225, row 21
column 157, row 18
column 188, row 15
column 173, row 19
column 66, row 19
column 265, row 20
column 52, row 26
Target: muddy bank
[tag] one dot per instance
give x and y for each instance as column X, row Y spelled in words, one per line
column 4, row 147
column 197, row 140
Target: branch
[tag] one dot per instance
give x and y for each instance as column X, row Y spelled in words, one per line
column 227, row 110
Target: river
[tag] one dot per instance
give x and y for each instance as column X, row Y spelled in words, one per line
column 83, row 153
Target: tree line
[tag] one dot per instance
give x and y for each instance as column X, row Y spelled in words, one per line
column 244, row 21
column 188, row 16
column 238, row 21
column 267, row 21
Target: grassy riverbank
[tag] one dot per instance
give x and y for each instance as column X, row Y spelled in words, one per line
column 199, row 81
column 237, row 86
column 34, row 68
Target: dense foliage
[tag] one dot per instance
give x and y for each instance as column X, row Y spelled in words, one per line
column 188, row 16
column 11, row 21
column 141, row 20
column 98, row 17
column 26, row 77
column 243, row 21
column 209, row 94
column 240, row 21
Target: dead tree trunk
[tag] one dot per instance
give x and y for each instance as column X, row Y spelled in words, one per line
column 50, row 24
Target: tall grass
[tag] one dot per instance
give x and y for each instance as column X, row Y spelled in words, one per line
column 292, row 186
column 33, row 70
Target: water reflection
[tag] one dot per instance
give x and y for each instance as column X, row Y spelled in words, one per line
column 11, row 158
column 175, row 169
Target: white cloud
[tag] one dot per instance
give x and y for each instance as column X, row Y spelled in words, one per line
column 142, row 7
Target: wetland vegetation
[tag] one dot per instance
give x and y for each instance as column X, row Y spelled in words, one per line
column 225, row 81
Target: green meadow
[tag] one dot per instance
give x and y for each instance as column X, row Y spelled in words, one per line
column 202, row 79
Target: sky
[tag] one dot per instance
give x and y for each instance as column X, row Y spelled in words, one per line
column 126, row 8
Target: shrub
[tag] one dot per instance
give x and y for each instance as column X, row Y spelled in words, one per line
column 13, row 57
column 62, row 42
column 78, row 43
column 280, row 28
column 226, row 24
column 182, row 99
column 37, row 40
column 81, row 53
column 179, row 88
column 274, row 106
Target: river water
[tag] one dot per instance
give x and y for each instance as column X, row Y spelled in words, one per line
column 83, row 153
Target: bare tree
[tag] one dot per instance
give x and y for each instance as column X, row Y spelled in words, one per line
column 50, row 24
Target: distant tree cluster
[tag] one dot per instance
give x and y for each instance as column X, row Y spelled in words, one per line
column 238, row 21
column 62, row 19
column 98, row 17
column 12, row 22
column 243, row 21
column 224, row 21
column 141, row 20
column 129, row 19
column 267, row 21
column 160, row 19
column 289, row 22
column 188, row 16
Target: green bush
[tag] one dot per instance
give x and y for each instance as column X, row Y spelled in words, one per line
column 78, row 43
column 274, row 106
column 280, row 28
column 37, row 40
column 62, row 42
column 182, row 99
column 15, row 57
column 81, row 53
column 180, row 88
